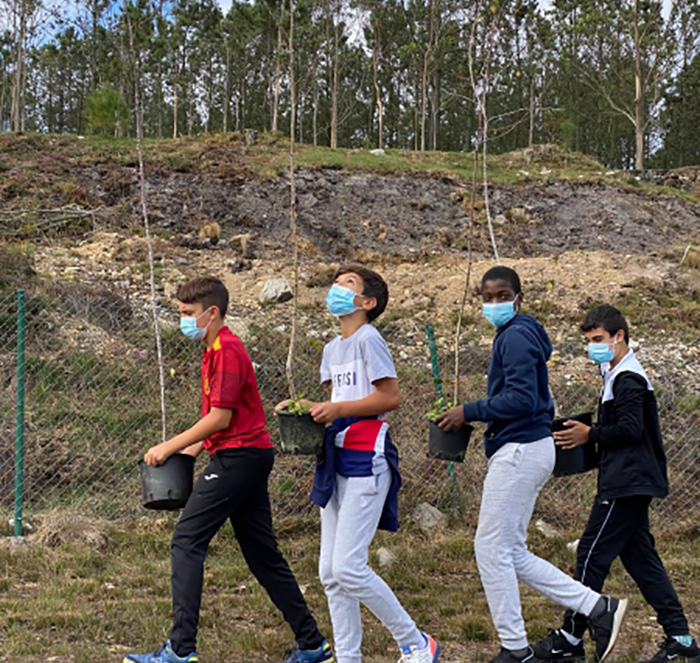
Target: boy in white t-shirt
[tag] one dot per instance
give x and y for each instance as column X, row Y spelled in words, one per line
column 357, row 482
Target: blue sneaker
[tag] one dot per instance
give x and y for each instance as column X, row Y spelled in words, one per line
column 163, row 655
column 324, row 654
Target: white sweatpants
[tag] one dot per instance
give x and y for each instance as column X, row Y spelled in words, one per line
column 348, row 524
column 516, row 474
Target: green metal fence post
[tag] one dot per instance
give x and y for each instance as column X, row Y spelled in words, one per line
column 439, row 396
column 19, row 425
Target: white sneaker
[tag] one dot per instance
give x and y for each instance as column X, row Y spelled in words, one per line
column 429, row 653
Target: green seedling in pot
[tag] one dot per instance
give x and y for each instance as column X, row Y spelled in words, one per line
column 296, row 406
column 439, row 407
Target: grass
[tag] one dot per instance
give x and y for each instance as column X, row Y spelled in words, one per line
column 73, row 603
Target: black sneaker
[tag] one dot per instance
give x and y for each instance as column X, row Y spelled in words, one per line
column 507, row 656
column 555, row 647
column 606, row 627
column 672, row 650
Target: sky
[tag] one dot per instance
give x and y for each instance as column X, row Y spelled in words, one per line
column 226, row 4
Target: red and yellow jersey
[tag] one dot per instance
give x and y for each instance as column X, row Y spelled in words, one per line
column 228, row 381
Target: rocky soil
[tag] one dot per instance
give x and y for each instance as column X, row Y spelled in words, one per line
column 344, row 214
column 573, row 242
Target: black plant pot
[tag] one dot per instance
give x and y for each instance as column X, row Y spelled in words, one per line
column 580, row 459
column 300, row 434
column 168, row 486
column 448, row 446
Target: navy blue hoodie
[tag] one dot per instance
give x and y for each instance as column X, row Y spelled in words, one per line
column 519, row 407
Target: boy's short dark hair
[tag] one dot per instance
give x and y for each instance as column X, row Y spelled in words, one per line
column 501, row 273
column 205, row 290
column 607, row 317
column 373, row 285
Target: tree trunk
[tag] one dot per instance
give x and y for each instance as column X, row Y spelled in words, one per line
column 378, row 93
column 424, row 99
column 416, row 87
column 314, row 110
column 435, row 109
column 227, row 74
column 16, row 105
column 159, row 100
column 210, row 96
column 334, row 89
column 531, row 130
column 278, row 75
column 435, row 87
column 2, row 106
column 300, row 111
column 93, row 46
column 638, row 96
column 175, row 110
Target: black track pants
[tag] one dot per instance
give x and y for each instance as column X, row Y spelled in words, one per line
column 620, row 528
column 233, row 487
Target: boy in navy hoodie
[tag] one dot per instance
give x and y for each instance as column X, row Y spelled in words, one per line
column 520, row 452
column 632, row 472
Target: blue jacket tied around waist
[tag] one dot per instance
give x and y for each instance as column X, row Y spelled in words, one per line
column 324, row 478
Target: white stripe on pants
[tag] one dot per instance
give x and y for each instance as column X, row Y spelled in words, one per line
column 348, row 524
column 516, row 474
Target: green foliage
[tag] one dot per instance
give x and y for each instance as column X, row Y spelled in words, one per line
column 681, row 118
column 298, row 406
column 107, row 112
column 440, row 406
column 567, row 134
column 565, row 75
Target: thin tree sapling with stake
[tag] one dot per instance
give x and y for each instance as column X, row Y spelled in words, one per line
column 299, row 433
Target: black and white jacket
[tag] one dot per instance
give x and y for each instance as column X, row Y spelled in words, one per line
column 627, row 434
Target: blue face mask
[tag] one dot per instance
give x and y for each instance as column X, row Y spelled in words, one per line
column 499, row 314
column 188, row 326
column 601, row 353
column 341, row 301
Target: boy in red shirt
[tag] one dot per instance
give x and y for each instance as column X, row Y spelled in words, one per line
column 232, row 487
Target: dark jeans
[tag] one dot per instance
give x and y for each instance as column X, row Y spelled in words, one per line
column 620, row 528
column 233, row 486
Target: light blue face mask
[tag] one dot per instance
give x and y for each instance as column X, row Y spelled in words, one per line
column 499, row 314
column 341, row 301
column 188, row 326
column 601, row 353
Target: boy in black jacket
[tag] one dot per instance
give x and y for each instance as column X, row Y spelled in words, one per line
column 632, row 471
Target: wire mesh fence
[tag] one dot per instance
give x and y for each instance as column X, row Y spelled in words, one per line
column 93, row 408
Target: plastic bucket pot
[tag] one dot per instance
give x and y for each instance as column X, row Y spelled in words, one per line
column 167, row 486
column 448, row 446
column 580, row 459
column 300, row 434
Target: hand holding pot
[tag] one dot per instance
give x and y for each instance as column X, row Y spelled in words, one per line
column 574, row 436
column 324, row 413
column 157, row 455
column 283, row 405
column 451, row 420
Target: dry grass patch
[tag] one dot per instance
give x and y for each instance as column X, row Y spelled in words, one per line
column 94, row 591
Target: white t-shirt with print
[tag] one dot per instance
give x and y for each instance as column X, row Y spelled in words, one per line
column 352, row 365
